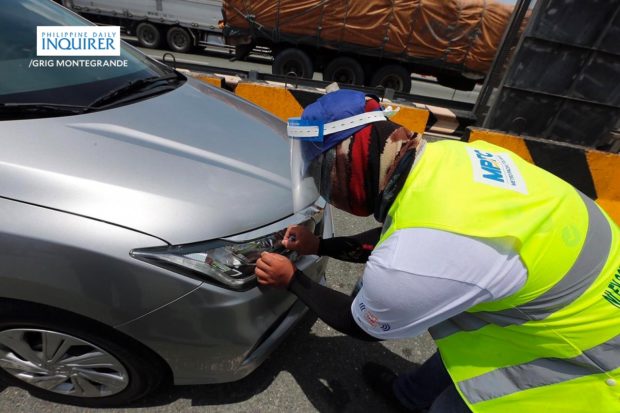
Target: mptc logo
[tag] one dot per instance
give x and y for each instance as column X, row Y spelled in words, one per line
column 78, row 41
column 496, row 169
column 489, row 165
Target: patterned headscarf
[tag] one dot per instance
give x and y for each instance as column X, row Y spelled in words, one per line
column 361, row 166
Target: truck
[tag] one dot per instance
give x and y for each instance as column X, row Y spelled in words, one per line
column 372, row 43
column 181, row 25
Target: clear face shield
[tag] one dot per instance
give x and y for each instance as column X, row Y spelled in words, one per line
column 306, row 139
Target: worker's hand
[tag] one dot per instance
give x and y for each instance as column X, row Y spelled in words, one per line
column 299, row 238
column 274, row 269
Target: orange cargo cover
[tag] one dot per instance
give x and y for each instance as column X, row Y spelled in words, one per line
column 462, row 33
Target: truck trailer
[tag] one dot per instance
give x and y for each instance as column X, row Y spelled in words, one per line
column 377, row 42
column 182, row 25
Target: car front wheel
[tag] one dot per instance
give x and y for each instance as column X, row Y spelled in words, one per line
column 68, row 360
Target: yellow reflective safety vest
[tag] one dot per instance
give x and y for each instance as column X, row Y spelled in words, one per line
column 554, row 345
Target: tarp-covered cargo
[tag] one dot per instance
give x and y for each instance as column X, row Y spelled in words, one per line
column 462, row 34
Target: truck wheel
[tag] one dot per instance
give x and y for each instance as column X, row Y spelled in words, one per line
column 65, row 358
column 344, row 70
column 148, row 35
column 394, row 77
column 179, row 40
column 456, row 82
column 293, row 60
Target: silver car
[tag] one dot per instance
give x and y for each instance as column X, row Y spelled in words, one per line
column 133, row 204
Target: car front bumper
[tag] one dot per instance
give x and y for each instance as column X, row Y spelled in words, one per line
column 213, row 335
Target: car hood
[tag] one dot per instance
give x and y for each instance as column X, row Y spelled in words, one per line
column 193, row 164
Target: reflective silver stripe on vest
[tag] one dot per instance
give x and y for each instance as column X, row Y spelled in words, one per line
column 575, row 282
column 542, row 372
column 460, row 322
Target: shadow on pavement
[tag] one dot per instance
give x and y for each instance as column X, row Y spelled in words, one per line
column 327, row 369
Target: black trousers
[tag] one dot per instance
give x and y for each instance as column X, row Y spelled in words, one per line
column 430, row 387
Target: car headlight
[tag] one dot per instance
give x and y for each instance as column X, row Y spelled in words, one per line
column 230, row 262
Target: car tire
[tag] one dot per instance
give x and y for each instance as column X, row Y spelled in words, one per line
column 179, row 40
column 65, row 358
column 148, row 35
column 392, row 76
column 293, row 60
column 345, row 70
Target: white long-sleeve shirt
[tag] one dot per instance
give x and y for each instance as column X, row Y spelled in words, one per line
column 419, row 277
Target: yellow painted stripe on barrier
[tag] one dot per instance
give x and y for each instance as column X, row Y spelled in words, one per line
column 411, row 118
column 605, row 171
column 277, row 100
column 213, row 80
column 510, row 142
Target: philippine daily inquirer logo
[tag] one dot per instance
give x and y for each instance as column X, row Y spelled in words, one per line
column 78, row 41
column 496, row 169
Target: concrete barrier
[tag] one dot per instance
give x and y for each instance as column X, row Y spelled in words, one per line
column 277, row 100
column 595, row 173
column 290, row 102
column 211, row 79
column 285, row 101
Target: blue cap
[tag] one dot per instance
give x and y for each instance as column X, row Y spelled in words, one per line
column 334, row 106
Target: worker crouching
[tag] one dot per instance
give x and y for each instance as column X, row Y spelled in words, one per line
column 506, row 265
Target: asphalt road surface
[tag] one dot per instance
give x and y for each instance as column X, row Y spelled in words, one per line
column 316, row 369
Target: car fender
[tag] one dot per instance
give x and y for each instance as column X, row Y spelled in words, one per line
column 81, row 265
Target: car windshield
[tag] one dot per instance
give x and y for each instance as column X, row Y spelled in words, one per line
column 30, row 79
